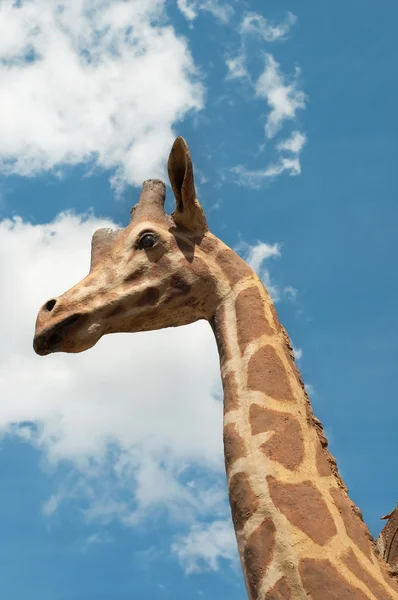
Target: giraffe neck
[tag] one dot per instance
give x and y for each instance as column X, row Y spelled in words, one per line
column 387, row 542
column 298, row 533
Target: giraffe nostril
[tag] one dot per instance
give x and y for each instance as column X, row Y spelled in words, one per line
column 50, row 305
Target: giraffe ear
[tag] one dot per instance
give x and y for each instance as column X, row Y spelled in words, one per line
column 188, row 212
column 101, row 243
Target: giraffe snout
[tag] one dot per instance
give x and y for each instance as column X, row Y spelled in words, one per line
column 51, row 329
column 50, row 312
column 49, row 305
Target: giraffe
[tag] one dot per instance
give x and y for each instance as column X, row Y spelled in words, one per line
column 387, row 542
column 299, row 535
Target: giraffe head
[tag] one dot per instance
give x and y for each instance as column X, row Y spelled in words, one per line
column 147, row 276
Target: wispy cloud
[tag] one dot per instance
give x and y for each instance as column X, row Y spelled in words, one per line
column 255, row 24
column 298, row 353
column 103, row 106
column 258, row 254
column 236, row 65
column 283, row 96
column 290, row 164
column 205, row 546
column 52, row 504
column 191, row 8
column 309, row 388
column 96, row 538
column 188, row 8
column 295, row 143
column 254, row 179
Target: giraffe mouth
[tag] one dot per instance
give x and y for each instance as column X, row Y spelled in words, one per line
column 48, row 341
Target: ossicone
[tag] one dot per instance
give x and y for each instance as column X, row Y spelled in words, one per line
column 151, row 200
column 188, row 212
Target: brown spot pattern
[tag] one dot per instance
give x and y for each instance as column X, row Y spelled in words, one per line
column 288, row 346
column 267, row 374
column 193, row 303
column 257, row 555
column 280, row 591
column 234, row 447
column 149, row 297
column 355, row 567
column 288, row 350
column 178, row 288
column 231, row 397
column 303, row 506
column 233, row 266
column 355, row 528
column 135, row 274
column 323, row 582
column 116, row 311
column 289, row 353
column 208, row 243
column 314, row 422
column 286, row 445
column 250, row 318
column 200, row 268
column 322, row 463
column 243, row 500
column 110, row 276
column 185, row 246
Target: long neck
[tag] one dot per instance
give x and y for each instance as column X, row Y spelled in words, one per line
column 298, row 533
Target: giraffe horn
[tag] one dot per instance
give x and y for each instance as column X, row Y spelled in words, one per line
column 188, row 212
column 151, row 200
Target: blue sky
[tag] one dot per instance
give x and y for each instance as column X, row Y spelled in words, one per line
column 111, row 462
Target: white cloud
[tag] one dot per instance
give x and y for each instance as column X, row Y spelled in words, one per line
column 283, row 97
column 295, row 143
column 290, row 164
column 255, row 24
column 205, row 546
column 52, row 504
column 254, row 179
column 190, row 9
column 298, row 353
column 80, row 82
column 256, row 256
column 131, row 414
column 290, row 292
column 237, row 67
column 282, row 94
column 309, row 388
column 95, row 539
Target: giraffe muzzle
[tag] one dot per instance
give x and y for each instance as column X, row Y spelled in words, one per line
column 48, row 341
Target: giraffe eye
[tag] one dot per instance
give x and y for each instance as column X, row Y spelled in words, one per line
column 146, row 241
